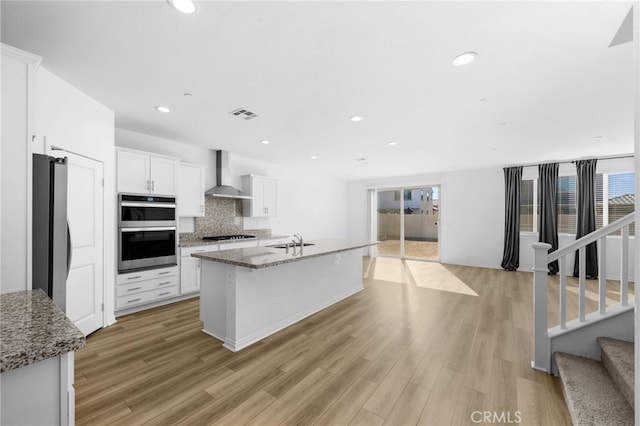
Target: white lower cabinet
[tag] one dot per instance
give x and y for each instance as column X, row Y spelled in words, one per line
column 190, row 267
column 189, row 274
column 136, row 288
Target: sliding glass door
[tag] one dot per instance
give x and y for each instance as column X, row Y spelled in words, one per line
column 407, row 222
column 389, row 227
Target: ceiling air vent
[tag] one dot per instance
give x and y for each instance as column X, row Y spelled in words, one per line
column 243, row 113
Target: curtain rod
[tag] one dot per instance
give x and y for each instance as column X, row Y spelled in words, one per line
column 612, row 157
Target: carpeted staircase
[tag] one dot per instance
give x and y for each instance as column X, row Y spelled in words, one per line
column 599, row 392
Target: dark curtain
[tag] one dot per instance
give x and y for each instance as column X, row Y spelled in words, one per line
column 511, row 251
column 548, row 219
column 586, row 215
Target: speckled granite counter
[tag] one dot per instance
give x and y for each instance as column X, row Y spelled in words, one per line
column 200, row 242
column 263, row 257
column 33, row 328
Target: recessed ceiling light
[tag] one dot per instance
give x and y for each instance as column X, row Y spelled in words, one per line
column 313, row 157
column 464, row 59
column 162, row 109
column 265, row 142
column 188, row 94
column 185, row 6
column 357, row 118
column 392, row 143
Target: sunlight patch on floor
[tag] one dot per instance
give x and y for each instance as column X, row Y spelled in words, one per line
column 389, row 269
column 429, row 275
column 436, row 277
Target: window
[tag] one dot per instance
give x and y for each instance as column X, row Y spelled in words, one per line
column 527, row 206
column 619, row 193
column 567, row 204
column 615, row 198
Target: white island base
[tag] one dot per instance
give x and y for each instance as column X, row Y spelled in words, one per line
column 241, row 305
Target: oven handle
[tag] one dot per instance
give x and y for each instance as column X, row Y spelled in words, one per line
column 158, row 205
column 151, row 228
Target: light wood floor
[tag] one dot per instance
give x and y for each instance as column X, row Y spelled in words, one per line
column 424, row 343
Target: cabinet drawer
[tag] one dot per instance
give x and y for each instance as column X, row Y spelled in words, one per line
column 147, row 275
column 188, row 251
column 145, row 297
column 141, row 286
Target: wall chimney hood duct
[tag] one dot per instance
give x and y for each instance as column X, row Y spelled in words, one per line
column 221, row 190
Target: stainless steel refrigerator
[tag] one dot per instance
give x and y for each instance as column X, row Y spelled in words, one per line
column 51, row 239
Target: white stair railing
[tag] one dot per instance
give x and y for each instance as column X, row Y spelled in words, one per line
column 541, row 260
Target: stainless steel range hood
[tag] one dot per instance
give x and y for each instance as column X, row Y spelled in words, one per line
column 222, row 190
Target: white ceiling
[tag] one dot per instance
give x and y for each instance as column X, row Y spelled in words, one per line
column 552, row 88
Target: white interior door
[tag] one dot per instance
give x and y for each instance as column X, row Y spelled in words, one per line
column 85, row 284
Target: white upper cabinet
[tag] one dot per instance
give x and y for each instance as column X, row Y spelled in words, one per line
column 264, row 193
column 133, row 172
column 163, row 175
column 143, row 173
column 191, row 190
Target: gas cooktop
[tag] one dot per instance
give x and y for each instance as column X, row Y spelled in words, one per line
column 228, row 237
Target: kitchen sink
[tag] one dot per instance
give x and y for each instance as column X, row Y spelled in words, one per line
column 281, row 246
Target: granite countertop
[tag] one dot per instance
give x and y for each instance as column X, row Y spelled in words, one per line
column 196, row 243
column 263, row 257
column 33, row 328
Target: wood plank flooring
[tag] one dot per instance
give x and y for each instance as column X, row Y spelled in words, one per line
column 421, row 345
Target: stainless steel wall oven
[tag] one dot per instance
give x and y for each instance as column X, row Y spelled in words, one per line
column 147, row 232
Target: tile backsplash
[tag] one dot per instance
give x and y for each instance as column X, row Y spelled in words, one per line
column 223, row 216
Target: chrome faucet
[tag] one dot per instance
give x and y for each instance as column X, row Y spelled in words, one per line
column 299, row 237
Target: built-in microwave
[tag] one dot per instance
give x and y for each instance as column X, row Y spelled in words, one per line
column 142, row 210
column 147, row 232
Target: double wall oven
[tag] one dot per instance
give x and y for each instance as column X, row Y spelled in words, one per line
column 147, row 232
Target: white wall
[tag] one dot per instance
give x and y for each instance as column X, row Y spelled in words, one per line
column 16, row 168
column 312, row 205
column 471, row 213
column 68, row 118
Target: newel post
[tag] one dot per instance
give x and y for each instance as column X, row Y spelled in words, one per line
column 541, row 356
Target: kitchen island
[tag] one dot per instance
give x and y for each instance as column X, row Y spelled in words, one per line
column 250, row 293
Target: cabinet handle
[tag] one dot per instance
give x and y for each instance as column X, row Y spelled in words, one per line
column 164, row 293
column 134, row 278
column 163, row 273
column 153, row 185
column 198, row 263
column 200, row 251
column 134, row 300
column 148, row 185
column 134, row 289
column 166, row 282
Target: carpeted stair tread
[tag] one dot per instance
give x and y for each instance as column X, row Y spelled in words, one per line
column 592, row 397
column 617, row 358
